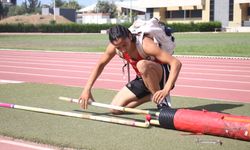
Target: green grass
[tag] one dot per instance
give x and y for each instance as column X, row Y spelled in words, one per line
column 81, row 42
column 216, row 44
column 87, row 134
column 212, row 44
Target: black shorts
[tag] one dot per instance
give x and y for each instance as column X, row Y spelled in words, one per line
column 138, row 87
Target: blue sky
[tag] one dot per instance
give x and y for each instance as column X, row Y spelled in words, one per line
column 81, row 2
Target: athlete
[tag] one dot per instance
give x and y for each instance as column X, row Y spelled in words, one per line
column 154, row 80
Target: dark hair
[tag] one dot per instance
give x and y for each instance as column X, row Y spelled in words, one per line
column 119, row 31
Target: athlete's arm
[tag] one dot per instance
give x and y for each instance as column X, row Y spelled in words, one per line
column 103, row 61
column 150, row 48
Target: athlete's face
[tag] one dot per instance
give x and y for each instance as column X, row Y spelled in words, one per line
column 122, row 44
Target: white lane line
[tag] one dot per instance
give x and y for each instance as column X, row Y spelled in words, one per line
column 94, row 55
column 99, row 53
column 24, row 145
column 63, row 65
column 120, row 74
column 84, row 65
column 9, row 81
column 64, row 62
column 120, row 81
column 215, row 80
column 57, row 76
column 204, row 69
column 212, row 88
column 21, row 51
column 90, row 61
column 215, row 74
column 83, row 61
column 63, row 70
column 213, row 57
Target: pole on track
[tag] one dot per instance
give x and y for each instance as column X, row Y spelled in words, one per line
column 78, row 115
column 123, row 109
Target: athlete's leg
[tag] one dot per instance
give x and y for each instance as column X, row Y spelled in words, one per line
column 126, row 98
column 151, row 73
column 154, row 76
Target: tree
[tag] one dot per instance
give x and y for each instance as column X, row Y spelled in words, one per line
column 16, row 10
column 59, row 3
column 1, row 10
column 112, row 10
column 32, row 6
column 73, row 4
column 106, row 7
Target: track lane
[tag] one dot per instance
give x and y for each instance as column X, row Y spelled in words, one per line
column 210, row 78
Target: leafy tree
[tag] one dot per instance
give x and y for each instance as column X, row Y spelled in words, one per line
column 32, row 6
column 16, row 10
column 112, row 10
column 106, row 7
column 59, row 3
column 1, row 10
column 102, row 6
column 72, row 4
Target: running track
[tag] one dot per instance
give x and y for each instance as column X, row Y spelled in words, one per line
column 213, row 78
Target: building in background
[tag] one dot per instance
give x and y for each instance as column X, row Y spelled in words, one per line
column 231, row 13
column 67, row 13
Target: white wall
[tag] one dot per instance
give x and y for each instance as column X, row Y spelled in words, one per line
column 95, row 18
column 221, row 11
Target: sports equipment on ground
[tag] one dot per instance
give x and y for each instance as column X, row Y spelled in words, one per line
column 205, row 122
column 78, row 115
column 196, row 121
column 123, row 109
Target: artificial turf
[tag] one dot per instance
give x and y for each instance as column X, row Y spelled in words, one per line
column 87, row 134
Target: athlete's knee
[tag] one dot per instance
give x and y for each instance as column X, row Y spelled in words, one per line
column 143, row 66
column 115, row 112
column 115, row 103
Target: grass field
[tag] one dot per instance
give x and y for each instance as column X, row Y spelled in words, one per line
column 93, row 135
column 215, row 44
column 87, row 134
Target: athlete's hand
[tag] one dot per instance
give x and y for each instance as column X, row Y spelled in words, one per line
column 159, row 96
column 84, row 98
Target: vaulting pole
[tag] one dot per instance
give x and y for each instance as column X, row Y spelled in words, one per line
column 123, row 109
column 196, row 121
column 78, row 115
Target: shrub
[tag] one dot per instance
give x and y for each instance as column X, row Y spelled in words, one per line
column 53, row 27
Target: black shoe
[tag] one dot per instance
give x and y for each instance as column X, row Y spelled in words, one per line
column 162, row 105
column 165, row 103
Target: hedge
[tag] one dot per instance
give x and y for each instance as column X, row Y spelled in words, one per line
column 96, row 28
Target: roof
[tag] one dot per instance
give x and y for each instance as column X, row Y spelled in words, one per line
column 142, row 5
column 242, row 1
column 169, row 3
column 88, row 8
column 133, row 4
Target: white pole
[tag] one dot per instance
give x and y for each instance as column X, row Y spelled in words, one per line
column 79, row 115
column 124, row 109
column 130, row 10
column 54, row 10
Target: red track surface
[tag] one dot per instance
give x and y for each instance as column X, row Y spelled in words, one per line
column 210, row 78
